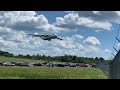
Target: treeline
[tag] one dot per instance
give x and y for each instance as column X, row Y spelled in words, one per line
column 7, row 54
column 65, row 58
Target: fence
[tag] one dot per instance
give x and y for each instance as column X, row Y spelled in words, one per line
column 103, row 67
column 114, row 71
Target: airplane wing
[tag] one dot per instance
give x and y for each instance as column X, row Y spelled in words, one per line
column 37, row 35
column 34, row 35
column 30, row 34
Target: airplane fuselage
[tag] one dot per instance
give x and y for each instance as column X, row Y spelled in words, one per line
column 46, row 37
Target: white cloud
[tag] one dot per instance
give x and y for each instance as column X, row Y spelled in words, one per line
column 96, row 12
column 53, row 48
column 69, row 11
column 74, row 21
column 15, row 24
column 52, row 28
column 92, row 49
column 12, row 35
column 107, row 51
column 99, row 15
column 117, row 12
column 7, row 44
column 76, row 36
column 117, row 46
column 27, row 21
column 5, row 30
column 29, row 45
column 92, row 41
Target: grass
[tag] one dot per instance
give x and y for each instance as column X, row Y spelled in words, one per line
column 43, row 72
column 37, row 72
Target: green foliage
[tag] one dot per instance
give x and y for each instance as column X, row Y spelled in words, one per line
column 65, row 58
column 2, row 53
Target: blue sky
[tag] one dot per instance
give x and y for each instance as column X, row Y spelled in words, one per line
column 85, row 33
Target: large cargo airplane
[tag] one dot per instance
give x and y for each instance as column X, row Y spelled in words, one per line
column 46, row 37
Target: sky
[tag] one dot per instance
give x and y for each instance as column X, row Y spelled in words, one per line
column 85, row 33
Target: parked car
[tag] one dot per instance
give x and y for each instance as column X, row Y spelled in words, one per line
column 21, row 64
column 8, row 64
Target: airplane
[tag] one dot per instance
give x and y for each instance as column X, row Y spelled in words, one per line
column 46, row 37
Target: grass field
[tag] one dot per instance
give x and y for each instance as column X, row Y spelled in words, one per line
column 43, row 72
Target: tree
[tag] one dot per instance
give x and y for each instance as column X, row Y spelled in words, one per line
column 74, row 58
column 28, row 56
column 62, row 59
column 101, row 59
column 96, row 59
